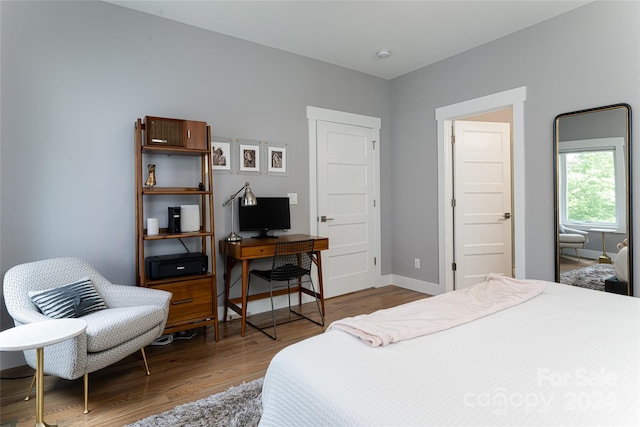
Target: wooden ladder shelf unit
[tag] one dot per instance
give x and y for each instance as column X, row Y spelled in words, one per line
column 194, row 303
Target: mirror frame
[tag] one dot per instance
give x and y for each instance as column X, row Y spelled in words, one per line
column 627, row 161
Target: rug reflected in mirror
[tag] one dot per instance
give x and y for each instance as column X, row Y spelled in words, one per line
column 591, row 277
column 239, row 406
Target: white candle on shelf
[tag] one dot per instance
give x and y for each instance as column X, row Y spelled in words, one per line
column 152, row 226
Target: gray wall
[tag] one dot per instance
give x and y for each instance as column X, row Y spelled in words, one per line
column 76, row 76
column 585, row 58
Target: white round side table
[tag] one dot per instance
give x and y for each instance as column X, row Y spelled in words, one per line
column 39, row 335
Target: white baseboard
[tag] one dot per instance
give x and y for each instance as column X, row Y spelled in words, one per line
column 385, row 280
column 590, row 254
column 417, row 285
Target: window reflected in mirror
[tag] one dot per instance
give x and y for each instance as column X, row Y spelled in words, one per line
column 592, row 184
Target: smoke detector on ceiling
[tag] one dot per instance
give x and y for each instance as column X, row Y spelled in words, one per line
column 383, row 53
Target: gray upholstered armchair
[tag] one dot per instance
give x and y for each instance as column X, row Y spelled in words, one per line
column 132, row 319
column 572, row 238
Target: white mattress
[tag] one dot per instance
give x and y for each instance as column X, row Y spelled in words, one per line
column 569, row 356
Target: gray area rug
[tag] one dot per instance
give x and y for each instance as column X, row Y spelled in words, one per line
column 591, row 277
column 239, row 406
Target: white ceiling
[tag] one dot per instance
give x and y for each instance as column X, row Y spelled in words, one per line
column 349, row 33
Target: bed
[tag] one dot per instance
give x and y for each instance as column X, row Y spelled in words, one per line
column 569, row 356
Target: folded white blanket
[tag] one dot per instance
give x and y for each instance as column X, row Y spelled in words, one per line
column 440, row 312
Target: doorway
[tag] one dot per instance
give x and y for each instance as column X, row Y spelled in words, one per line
column 513, row 99
column 481, row 175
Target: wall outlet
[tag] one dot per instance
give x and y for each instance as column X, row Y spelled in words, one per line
column 416, row 263
column 293, row 198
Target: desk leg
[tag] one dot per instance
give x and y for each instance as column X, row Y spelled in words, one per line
column 40, row 388
column 245, row 284
column 320, row 287
column 229, row 263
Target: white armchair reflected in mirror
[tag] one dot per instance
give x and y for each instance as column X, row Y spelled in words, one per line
column 572, row 238
column 592, row 199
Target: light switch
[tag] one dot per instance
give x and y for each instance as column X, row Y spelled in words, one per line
column 293, row 198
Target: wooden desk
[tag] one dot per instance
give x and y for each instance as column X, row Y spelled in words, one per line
column 247, row 250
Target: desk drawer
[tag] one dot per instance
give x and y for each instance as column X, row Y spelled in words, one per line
column 192, row 300
column 258, row 251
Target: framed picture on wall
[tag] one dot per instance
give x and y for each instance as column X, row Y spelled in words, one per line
column 277, row 158
column 221, row 155
column 249, row 158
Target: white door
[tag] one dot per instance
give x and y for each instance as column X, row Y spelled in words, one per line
column 482, row 193
column 345, row 204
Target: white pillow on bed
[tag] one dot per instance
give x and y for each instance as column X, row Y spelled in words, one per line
column 621, row 264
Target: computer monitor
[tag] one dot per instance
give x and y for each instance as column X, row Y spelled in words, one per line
column 269, row 214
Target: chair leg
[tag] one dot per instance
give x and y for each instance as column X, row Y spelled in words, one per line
column 313, row 289
column 33, row 382
column 86, row 383
column 273, row 314
column 86, row 393
column 577, row 254
column 318, row 305
column 146, row 365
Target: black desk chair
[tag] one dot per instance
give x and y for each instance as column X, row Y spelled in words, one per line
column 291, row 262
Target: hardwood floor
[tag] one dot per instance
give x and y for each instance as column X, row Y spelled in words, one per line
column 181, row 372
column 569, row 263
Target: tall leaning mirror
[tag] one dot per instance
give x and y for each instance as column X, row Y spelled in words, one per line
column 593, row 200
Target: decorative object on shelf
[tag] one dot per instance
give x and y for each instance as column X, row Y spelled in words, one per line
column 277, row 157
column 249, row 158
column 151, row 179
column 248, row 199
column 153, row 227
column 189, row 218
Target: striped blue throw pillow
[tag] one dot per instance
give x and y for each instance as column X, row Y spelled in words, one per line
column 73, row 300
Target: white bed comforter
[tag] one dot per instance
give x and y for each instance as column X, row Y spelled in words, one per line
column 430, row 315
column 569, row 356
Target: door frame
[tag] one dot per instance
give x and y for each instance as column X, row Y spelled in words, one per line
column 313, row 115
column 515, row 99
